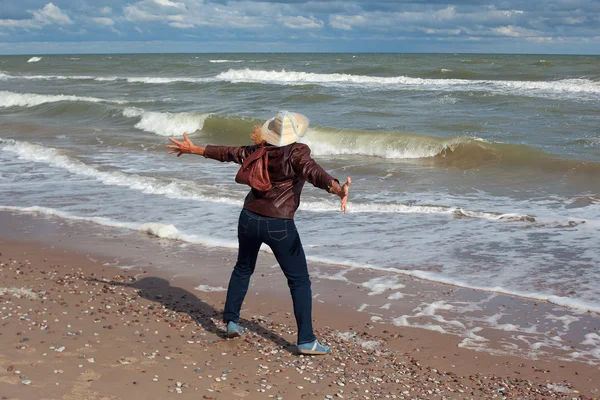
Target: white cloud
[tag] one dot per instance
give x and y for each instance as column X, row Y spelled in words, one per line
column 181, row 25
column 104, row 21
column 106, row 10
column 445, row 18
column 447, row 13
column 169, row 3
column 20, row 23
column 134, row 14
column 48, row 15
column 51, row 14
column 431, row 31
column 347, row 22
column 301, row 22
column 514, row 31
column 196, row 13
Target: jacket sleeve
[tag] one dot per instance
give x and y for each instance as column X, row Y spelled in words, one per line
column 308, row 168
column 228, row 154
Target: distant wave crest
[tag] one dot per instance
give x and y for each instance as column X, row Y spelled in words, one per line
column 11, row 99
column 527, row 88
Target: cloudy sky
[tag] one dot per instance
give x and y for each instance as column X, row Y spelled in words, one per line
column 497, row 26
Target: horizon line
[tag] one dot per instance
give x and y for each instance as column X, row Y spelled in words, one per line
column 299, row 52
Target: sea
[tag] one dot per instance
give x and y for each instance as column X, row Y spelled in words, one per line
column 475, row 170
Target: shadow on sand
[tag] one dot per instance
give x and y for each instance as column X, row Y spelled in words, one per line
column 180, row 300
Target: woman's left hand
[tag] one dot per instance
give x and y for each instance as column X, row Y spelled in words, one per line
column 185, row 147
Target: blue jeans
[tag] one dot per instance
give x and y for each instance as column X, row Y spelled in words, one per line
column 282, row 237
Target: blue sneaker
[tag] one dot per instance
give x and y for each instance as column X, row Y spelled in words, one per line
column 313, row 348
column 234, row 330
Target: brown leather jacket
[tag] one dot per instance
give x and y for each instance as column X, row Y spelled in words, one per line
column 289, row 167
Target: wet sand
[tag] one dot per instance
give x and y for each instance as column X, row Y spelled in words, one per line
column 76, row 326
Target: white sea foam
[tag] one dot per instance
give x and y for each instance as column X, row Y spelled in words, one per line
column 382, row 284
column 567, row 302
column 18, row 292
column 403, row 208
column 559, row 388
column 163, row 80
column 206, row 288
column 151, row 228
column 34, row 59
column 226, row 61
column 396, row 296
column 574, row 303
column 526, row 88
column 11, row 99
column 352, row 337
column 165, row 123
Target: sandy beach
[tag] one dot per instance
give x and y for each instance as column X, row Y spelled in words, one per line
column 76, row 326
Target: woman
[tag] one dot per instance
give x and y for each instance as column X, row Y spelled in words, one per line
column 268, row 216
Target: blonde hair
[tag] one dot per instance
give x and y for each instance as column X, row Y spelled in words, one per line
column 257, row 136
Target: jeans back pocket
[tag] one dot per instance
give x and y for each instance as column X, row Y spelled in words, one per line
column 277, row 229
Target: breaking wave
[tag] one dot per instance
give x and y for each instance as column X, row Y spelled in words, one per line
column 166, row 123
column 460, row 152
column 11, row 99
column 191, row 191
column 145, row 184
column 129, row 79
column 576, row 87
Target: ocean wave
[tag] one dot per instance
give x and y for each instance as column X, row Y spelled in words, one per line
column 563, row 301
column 145, row 184
column 166, row 123
column 410, row 208
column 393, row 145
column 463, row 152
column 11, row 99
column 574, row 86
column 160, row 80
column 34, row 59
column 190, row 191
column 129, row 79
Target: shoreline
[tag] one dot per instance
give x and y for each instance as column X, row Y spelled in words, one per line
column 338, row 319
column 574, row 305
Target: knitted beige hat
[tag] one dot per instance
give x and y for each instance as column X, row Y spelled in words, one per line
column 285, row 128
